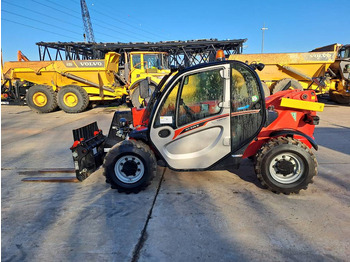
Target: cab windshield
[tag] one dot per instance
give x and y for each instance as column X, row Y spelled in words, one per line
column 344, row 52
column 159, row 61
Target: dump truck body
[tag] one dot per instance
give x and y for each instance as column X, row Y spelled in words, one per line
column 276, row 65
column 303, row 67
column 311, row 70
column 93, row 75
column 42, row 82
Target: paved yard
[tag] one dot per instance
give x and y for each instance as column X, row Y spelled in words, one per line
column 204, row 216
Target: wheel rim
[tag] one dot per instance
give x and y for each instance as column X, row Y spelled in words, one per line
column 286, row 168
column 70, row 99
column 40, row 99
column 129, row 169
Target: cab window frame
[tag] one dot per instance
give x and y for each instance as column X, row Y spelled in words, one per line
column 181, row 82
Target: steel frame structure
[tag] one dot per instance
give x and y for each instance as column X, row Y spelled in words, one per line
column 182, row 53
column 89, row 32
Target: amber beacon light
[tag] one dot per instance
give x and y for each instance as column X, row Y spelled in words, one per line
column 220, row 56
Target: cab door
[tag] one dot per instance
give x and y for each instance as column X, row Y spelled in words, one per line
column 247, row 107
column 136, row 66
column 191, row 127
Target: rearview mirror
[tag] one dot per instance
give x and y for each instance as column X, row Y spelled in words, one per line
column 144, row 88
column 257, row 66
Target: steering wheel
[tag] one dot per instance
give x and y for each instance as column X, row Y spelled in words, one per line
column 188, row 110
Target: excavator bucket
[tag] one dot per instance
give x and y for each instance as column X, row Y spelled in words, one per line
column 87, row 150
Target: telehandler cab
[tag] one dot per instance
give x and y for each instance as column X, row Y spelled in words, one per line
column 205, row 117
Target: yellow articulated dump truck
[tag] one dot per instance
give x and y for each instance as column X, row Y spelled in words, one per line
column 325, row 70
column 142, row 65
column 72, row 84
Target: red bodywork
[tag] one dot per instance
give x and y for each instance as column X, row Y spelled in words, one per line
column 137, row 115
column 288, row 119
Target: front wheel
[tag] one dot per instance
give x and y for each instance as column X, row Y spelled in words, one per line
column 41, row 99
column 130, row 166
column 286, row 84
column 285, row 165
column 338, row 98
column 135, row 97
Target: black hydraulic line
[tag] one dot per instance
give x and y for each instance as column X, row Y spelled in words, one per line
column 297, row 72
column 82, row 80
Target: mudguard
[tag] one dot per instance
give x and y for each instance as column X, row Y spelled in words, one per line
column 287, row 132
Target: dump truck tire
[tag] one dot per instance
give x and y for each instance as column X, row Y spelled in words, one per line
column 285, row 165
column 340, row 99
column 73, row 99
column 266, row 89
column 41, row 99
column 282, row 85
column 130, row 166
column 135, row 95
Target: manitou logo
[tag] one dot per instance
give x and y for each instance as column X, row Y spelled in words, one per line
column 192, row 127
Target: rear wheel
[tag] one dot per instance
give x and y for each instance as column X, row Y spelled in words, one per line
column 41, row 98
column 285, row 165
column 340, row 99
column 73, row 99
column 130, row 166
column 286, row 84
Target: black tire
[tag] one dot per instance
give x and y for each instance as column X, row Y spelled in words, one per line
column 73, row 99
column 266, row 89
column 284, row 83
column 285, row 165
column 135, row 94
column 130, row 166
column 41, row 99
column 340, row 99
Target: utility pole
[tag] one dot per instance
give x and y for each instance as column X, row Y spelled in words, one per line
column 262, row 45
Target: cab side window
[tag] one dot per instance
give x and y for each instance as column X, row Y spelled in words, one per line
column 246, row 105
column 193, row 97
column 244, row 90
column 167, row 111
column 200, row 96
column 136, row 61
